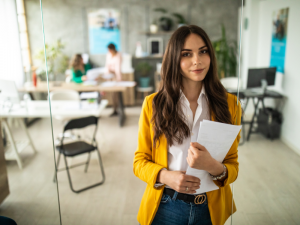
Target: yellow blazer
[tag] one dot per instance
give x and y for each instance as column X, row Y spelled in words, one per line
column 148, row 161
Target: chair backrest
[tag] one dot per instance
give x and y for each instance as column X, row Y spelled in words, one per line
column 65, row 95
column 81, row 123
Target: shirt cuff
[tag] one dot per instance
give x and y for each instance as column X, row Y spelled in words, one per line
column 157, row 184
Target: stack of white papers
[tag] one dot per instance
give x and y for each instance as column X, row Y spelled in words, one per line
column 217, row 138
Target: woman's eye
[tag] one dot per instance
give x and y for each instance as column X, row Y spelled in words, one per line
column 185, row 54
column 204, row 51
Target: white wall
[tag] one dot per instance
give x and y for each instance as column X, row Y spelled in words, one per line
column 10, row 50
column 257, row 50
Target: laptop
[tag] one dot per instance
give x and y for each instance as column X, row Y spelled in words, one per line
column 9, row 92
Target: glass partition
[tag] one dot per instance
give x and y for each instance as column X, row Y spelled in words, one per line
column 27, row 193
column 266, row 191
column 249, row 38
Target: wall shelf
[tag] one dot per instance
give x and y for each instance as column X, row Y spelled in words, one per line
column 157, row 33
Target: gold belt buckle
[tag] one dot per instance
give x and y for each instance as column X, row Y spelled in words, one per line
column 200, row 199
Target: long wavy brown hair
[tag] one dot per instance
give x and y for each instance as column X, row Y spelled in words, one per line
column 76, row 62
column 168, row 118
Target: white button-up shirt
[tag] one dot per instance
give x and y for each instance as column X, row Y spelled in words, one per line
column 177, row 153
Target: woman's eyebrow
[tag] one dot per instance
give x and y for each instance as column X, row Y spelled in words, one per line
column 191, row 50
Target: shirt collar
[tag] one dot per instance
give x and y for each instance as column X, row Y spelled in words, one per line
column 182, row 96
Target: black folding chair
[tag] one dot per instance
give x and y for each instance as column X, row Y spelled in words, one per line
column 77, row 148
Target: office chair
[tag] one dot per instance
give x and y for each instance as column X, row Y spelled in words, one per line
column 79, row 147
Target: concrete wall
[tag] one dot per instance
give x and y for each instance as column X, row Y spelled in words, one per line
column 67, row 20
column 257, row 51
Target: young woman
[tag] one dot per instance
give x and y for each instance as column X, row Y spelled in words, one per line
column 79, row 69
column 168, row 130
column 113, row 67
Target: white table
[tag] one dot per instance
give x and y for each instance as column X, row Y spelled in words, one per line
column 109, row 86
column 41, row 109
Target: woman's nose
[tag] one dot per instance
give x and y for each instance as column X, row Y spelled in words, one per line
column 197, row 59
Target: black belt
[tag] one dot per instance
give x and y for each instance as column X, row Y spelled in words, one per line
column 197, row 199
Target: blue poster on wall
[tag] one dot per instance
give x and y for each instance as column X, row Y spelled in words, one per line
column 103, row 29
column 280, row 20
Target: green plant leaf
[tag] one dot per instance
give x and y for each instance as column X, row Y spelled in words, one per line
column 180, row 18
column 143, row 68
column 226, row 54
column 163, row 10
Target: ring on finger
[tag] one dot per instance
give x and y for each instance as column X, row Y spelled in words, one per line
column 187, row 188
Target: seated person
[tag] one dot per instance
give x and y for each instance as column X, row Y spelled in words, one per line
column 79, row 69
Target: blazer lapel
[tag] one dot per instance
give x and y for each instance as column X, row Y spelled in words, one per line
column 162, row 152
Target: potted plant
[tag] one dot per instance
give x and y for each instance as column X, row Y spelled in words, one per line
column 57, row 62
column 180, row 19
column 143, row 69
column 226, row 54
column 166, row 22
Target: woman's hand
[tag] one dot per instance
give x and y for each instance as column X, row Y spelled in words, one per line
column 179, row 181
column 84, row 78
column 199, row 158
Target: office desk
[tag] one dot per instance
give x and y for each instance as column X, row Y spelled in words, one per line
column 247, row 94
column 41, row 109
column 118, row 87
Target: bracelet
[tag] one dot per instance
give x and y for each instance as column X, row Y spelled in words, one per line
column 220, row 176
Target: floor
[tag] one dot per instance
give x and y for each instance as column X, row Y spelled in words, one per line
column 266, row 192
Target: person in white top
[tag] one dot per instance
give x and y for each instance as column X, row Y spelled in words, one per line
column 113, row 67
column 190, row 92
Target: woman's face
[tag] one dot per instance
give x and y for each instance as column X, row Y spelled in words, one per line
column 112, row 51
column 195, row 59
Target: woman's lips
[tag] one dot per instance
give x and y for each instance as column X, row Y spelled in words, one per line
column 198, row 71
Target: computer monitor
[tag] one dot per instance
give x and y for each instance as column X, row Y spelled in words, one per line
column 255, row 76
column 9, row 92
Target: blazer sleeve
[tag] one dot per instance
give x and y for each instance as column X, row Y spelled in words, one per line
column 143, row 166
column 231, row 159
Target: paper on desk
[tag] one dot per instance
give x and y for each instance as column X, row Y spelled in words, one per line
column 94, row 73
column 108, row 84
column 217, row 138
column 126, row 83
column 119, row 83
column 90, row 83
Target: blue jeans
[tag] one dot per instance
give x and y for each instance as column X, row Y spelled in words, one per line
column 172, row 211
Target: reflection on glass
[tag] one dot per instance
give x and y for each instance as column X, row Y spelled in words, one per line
column 121, row 192
column 269, row 155
column 28, row 195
